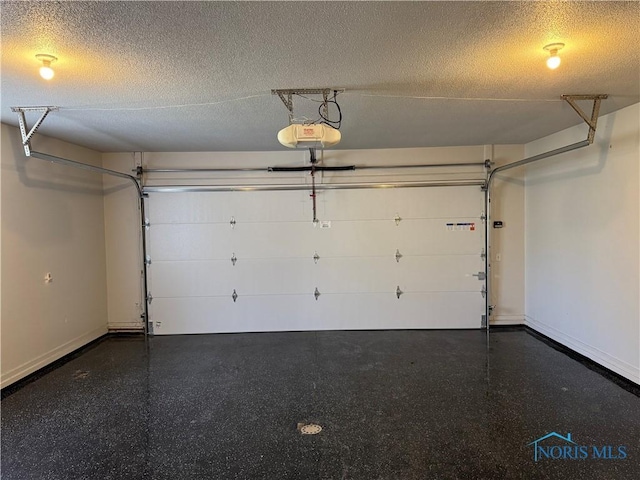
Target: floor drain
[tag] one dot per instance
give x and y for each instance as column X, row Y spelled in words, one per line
column 310, row 429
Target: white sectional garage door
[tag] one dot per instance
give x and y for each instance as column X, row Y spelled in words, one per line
column 424, row 244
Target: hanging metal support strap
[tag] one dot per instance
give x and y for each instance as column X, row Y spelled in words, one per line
column 26, row 136
column 595, row 111
column 313, row 160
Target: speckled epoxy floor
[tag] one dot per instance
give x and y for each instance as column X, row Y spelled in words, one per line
column 397, row 405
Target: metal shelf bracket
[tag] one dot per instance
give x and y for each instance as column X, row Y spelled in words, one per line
column 22, row 120
column 592, row 121
column 286, row 95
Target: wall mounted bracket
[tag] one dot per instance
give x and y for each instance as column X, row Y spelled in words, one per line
column 22, row 120
column 595, row 111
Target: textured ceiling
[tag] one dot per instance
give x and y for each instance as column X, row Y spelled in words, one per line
column 196, row 76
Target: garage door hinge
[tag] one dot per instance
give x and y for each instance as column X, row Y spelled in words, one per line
column 483, row 217
column 147, row 223
column 483, row 254
column 149, row 298
column 316, row 257
column 234, row 259
column 147, row 260
column 234, row 295
column 398, row 256
column 398, row 292
column 316, row 293
column 483, row 292
column 397, row 219
column 233, row 222
column 480, row 275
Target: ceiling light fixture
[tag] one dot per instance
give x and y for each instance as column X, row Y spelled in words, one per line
column 46, row 71
column 553, row 61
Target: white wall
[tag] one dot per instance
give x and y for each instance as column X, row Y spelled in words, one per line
column 507, row 243
column 52, row 221
column 123, row 245
column 121, row 210
column 582, row 242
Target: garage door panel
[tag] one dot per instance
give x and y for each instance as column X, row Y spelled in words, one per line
column 218, row 315
column 440, row 202
column 303, row 313
column 189, row 242
column 437, row 273
column 408, row 203
column 275, row 240
column 434, row 237
column 356, row 275
column 356, row 205
column 189, row 278
column 221, row 277
column 354, row 239
column 192, row 277
column 302, row 276
column 274, row 276
column 216, row 241
column 219, row 207
column 280, row 206
column 412, row 310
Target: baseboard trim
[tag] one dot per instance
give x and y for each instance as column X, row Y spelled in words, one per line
column 606, row 360
column 130, row 330
column 22, row 382
column 507, row 320
column 118, row 326
column 51, row 356
column 597, row 365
